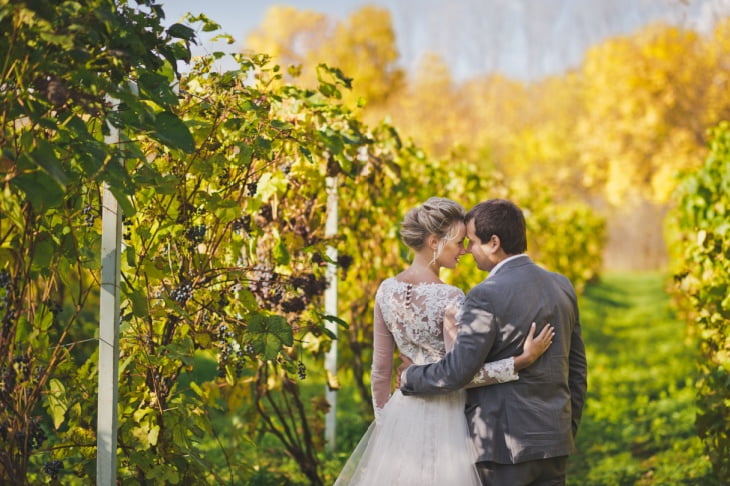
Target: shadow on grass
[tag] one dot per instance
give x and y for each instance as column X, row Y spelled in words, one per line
column 606, row 296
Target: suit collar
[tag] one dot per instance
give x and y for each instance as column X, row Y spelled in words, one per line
column 501, row 264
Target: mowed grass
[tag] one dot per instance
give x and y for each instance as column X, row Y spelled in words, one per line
column 638, row 423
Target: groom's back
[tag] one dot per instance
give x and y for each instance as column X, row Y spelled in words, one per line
column 529, row 418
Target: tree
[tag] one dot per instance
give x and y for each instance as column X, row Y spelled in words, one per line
column 645, row 92
column 362, row 46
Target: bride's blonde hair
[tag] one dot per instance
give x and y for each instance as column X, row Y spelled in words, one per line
column 437, row 216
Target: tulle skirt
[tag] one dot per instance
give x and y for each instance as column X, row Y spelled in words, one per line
column 419, row 441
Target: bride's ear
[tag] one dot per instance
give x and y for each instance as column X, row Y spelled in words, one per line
column 433, row 242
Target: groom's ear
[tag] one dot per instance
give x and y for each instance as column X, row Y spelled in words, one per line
column 494, row 243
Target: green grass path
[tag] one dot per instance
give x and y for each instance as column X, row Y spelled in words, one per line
column 638, row 424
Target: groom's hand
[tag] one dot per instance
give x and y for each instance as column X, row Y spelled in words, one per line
column 405, row 363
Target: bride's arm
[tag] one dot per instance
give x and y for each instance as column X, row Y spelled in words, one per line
column 382, row 367
column 503, row 370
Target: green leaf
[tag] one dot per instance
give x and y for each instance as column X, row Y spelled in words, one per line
column 270, row 334
column 330, row 91
column 270, row 184
column 46, row 322
column 171, row 131
column 158, row 88
column 326, row 74
column 139, row 303
column 245, row 153
column 182, row 350
column 44, row 251
column 123, row 201
column 57, row 404
column 336, row 319
column 181, row 31
column 131, row 256
column 153, row 434
column 246, row 298
column 281, row 254
column 306, row 152
column 41, row 190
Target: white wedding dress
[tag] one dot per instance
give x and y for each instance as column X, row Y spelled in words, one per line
column 417, row 440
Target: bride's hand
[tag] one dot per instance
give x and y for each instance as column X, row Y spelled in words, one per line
column 534, row 346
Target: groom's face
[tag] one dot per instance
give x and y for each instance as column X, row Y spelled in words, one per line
column 480, row 251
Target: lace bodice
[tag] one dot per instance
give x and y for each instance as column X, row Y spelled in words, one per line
column 421, row 320
column 414, row 314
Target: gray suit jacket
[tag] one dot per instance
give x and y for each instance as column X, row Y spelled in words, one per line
column 537, row 416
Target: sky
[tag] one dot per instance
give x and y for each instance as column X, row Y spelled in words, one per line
column 524, row 39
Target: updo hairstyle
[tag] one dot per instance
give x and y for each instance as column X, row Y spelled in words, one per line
column 437, row 216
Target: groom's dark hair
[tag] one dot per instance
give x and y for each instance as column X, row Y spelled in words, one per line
column 502, row 218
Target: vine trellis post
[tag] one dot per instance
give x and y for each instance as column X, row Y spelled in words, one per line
column 330, row 308
column 109, row 319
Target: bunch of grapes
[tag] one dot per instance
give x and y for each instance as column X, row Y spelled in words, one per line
column 196, row 234
column 21, row 366
column 230, row 353
column 266, row 213
column 224, row 177
column 37, row 435
column 311, row 285
column 7, row 382
column 54, row 308
column 265, row 285
column 242, row 224
column 222, row 300
column 182, row 293
column 5, row 283
column 5, row 279
column 344, row 261
column 52, row 468
column 293, row 304
column 301, row 371
column 224, row 333
column 185, row 210
column 89, row 216
column 317, row 259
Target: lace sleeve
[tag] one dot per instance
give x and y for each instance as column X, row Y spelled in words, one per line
column 492, row 372
column 382, row 368
column 495, row 372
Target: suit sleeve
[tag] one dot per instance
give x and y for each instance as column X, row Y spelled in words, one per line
column 382, row 368
column 492, row 372
column 475, row 336
column 578, row 374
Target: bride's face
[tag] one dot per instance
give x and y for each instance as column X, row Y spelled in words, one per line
column 454, row 247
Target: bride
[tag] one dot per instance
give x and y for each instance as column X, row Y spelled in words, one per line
column 423, row 440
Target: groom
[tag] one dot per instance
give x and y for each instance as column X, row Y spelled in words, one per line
column 523, row 430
